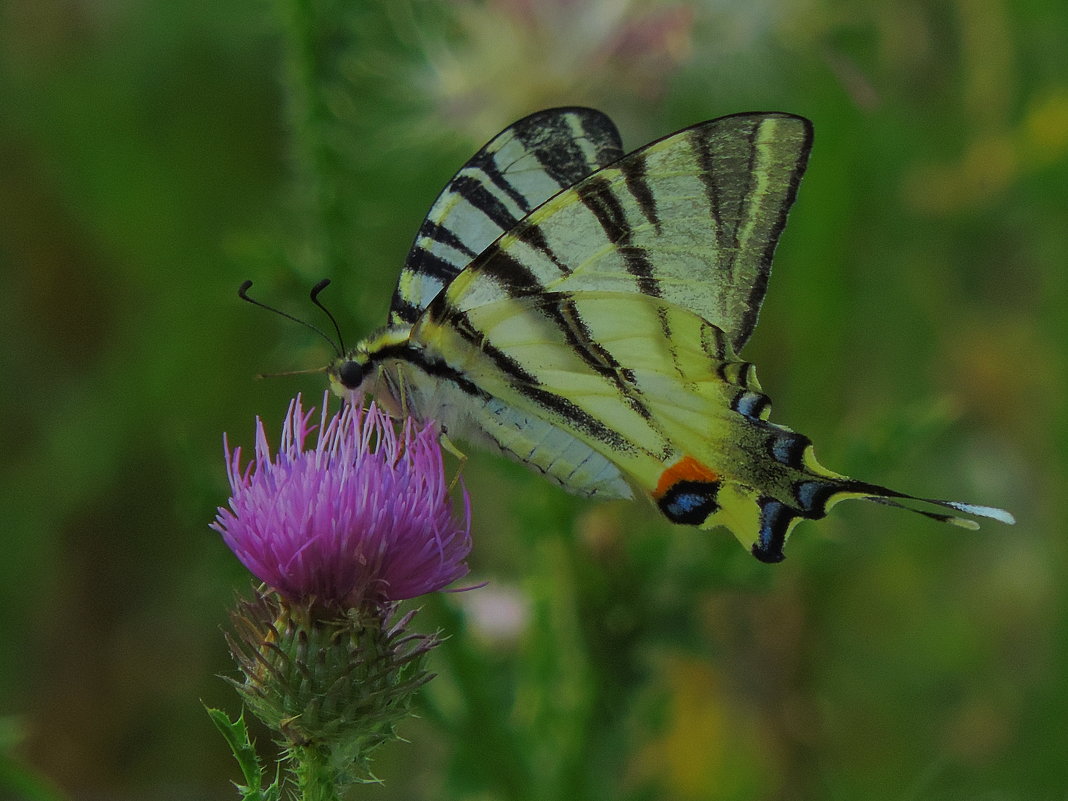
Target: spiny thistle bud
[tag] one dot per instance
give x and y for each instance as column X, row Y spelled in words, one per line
column 340, row 533
column 333, row 688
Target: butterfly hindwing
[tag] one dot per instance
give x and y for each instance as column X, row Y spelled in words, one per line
column 518, row 170
column 655, row 390
column 649, row 388
column 482, row 394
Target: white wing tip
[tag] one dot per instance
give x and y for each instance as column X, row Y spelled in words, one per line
column 991, row 512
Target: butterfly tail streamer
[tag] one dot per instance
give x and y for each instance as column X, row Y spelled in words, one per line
column 888, row 497
column 816, row 494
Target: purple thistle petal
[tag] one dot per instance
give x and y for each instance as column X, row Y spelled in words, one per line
column 363, row 515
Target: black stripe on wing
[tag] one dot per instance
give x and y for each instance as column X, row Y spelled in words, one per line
column 750, row 184
column 528, row 384
column 514, row 173
column 599, row 196
column 638, row 185
column 436, row 367
column 550, row 137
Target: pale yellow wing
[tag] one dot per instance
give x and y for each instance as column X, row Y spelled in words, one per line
column 693, row 219
column 659, row 393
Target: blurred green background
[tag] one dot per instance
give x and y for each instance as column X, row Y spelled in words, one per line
column 153, row 155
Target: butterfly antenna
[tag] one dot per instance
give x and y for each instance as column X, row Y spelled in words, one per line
column 242, row 293
column 315, row 299
column 290, row 372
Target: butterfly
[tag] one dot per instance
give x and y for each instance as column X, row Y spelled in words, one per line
column 581, row 311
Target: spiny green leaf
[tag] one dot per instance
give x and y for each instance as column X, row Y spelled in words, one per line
column 237, row 737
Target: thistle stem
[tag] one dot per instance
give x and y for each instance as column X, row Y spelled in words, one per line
column 315, row 779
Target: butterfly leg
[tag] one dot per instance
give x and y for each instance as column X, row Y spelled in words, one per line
column 450, row 447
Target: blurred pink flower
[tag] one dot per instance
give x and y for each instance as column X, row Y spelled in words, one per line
column 510, row 57
column 363, row 516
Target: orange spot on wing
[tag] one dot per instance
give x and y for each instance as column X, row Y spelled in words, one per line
column 685, row 469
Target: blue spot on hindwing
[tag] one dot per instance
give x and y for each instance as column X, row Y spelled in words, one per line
column 812, row 497
column 689, row 502
column 788, row 448
column 686, row 502
column 750, row 404
column 775, row 518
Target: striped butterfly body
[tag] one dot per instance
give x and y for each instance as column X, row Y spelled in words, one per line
column 581, row 311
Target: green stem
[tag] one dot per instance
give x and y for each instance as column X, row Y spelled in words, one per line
column 501, row 757
column 315, row 778
column 309, row 54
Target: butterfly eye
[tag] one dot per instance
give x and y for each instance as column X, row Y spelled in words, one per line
column 350, row 374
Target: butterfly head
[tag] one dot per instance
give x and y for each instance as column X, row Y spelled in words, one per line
column 350, row 372
column 357, row 370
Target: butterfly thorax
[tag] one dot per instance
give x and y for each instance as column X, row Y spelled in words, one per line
column 405, row 378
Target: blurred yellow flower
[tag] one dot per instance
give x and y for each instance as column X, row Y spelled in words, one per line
column 712, row 744
column 1045, row 128
column 994, row 159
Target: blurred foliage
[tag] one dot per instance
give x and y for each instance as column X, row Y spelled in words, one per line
column 153, row 155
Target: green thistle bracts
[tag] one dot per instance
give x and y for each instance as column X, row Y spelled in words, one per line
column 332, row 683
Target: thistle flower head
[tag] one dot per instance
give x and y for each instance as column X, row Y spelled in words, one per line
column 361, row 516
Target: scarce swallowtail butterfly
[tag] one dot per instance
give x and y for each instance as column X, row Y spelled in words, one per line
column 582, row 310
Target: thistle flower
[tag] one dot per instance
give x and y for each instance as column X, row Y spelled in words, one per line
column 363, row 516
column 340, row 532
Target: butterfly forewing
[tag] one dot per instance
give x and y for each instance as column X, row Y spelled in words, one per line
column 693, row 218
column 517, row 171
